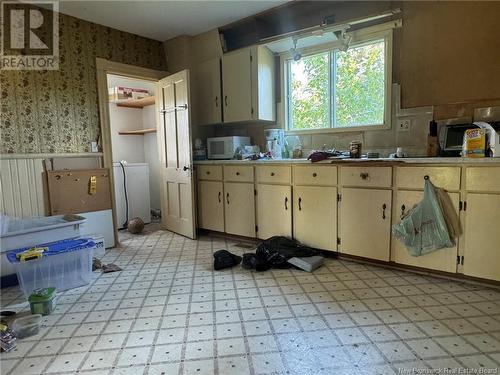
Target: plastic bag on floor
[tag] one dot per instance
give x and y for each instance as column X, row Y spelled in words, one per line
column 424, row 229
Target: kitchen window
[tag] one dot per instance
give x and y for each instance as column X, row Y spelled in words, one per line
column 333, row 90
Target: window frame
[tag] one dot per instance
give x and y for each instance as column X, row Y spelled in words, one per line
column 359, row 37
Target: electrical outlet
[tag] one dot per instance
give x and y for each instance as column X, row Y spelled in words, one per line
column 404, row 125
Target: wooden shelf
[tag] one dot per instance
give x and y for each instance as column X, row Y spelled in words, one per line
column 138, row 132
column 136, row 103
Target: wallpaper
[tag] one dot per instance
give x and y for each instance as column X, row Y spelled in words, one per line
column 57, row 111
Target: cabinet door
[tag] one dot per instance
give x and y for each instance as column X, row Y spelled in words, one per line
column 442, row 259
column 482, row 236
column 237, row 86
column 239, row 203
column 210, row 205
column 208, row 102
column 365, row 223
column 274, row 211
column 315, row 216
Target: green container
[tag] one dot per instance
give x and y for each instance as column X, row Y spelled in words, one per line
column 42, row 301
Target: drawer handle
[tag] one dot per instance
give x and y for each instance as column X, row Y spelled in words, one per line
column 219, row 196
column 227, row 198
column 403, row 208
column 315, row 174
column 237, row 173
column 217, row 102
column 208, row 172
column 286, row 203
column 384, row 206
column 300, row 204
column 225, row 100
column 364, row 175
column 272, row 173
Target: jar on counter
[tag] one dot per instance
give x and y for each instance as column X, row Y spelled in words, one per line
column 355, row 149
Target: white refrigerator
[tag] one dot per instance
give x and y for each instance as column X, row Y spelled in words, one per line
column 135, row 191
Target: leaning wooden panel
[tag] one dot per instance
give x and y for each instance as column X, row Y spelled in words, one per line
column 72, row 191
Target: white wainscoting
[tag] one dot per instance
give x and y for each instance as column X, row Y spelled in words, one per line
column 21, row 187
column 21, row 181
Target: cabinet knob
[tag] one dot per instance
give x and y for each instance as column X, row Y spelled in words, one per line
column 237, row 173
column 208, row 172
column 364, row 175
column 315, row 174
column 272, row 173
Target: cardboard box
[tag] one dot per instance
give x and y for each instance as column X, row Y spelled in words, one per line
column 474, row 143
column 122, row 93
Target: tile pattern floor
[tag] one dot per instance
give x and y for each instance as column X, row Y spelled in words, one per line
column 168, row 312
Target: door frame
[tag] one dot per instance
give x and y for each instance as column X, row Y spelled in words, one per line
column 105, row 67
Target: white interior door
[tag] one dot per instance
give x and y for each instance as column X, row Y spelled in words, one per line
column 177, row 186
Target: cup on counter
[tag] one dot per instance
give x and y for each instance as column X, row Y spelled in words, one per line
column 355, row 149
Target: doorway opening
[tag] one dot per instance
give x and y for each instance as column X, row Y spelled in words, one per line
column 136, row 163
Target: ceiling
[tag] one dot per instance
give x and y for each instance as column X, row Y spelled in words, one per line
column 163, row 20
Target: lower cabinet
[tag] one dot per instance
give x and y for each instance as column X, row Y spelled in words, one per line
column 442, row 259
column 482, row 236
column 274, row 211
column 315, row 216
column 365, row 223
column 210, row 205
column 239, row 205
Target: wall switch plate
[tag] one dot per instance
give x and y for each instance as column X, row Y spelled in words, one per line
column 93, row 147
column 404, row 125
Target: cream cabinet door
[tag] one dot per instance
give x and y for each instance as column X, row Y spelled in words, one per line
column 274, row 211
column 315, row 216
column 237, row 86
column 365, row 223
column 442, row 259
column 482, row 236
column 207, row 104
column 239, row 203
column 210, row 205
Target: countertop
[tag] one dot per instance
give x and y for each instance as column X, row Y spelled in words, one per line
column 388, row 161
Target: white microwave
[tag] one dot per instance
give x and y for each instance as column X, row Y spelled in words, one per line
column 225, row 147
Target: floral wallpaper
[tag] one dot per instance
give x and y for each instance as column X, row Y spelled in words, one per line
column 57, row 111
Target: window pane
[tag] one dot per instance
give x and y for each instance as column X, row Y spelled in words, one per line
column 359, row 85
column 308, row 92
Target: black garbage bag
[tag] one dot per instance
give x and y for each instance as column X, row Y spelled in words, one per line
column 275, row 251
column 224, row 259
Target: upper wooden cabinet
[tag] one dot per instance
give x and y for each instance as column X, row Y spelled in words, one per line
column 248, row 85
column 207, row 95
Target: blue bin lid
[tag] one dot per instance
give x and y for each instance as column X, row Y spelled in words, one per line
column 55, row 248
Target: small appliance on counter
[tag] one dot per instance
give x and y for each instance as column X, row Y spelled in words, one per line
column 225, row 147
column 275, row 142
column 488, row 119
column 451, row 136
column 200, row 152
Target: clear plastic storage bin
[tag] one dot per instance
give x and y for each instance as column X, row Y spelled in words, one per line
column 65, row 265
